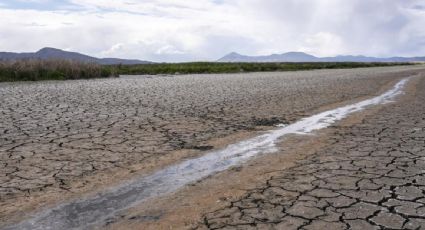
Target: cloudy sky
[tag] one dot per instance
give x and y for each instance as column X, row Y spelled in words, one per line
column 187, row 30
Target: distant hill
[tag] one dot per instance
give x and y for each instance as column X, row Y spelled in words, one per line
column 303, row 57
column 52, row 53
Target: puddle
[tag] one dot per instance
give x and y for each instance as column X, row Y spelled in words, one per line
column 94, row 211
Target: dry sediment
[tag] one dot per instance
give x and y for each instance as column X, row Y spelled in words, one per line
column 55, row 136
column 371, row 176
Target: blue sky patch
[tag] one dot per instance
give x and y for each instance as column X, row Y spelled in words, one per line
column 42, row 5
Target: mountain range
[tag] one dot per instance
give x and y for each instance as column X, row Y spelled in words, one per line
column 52, row 53
column 303, row 57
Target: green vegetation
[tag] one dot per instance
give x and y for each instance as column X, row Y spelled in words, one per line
column 33, row 70
column 216, row 67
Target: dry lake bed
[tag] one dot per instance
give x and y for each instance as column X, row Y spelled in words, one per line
column 101, row 148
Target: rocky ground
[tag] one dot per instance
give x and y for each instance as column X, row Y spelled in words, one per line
column 55, row 136
column 370, row 176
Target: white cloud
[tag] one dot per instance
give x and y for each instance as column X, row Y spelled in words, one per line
column 114, row 49
column 184, row 30
column 323, row 43
column 168, row 49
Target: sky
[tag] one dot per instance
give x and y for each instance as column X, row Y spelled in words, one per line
column 205, row 30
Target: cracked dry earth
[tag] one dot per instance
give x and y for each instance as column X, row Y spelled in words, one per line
column 57, row 137
column 371, row 176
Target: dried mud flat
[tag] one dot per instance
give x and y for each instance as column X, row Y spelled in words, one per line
column 59, row 139
column 370, row 176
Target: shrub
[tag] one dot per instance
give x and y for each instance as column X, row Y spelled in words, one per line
column 36, row 69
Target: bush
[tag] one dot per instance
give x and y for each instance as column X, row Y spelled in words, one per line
column 216, row 67
column 35, row 69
